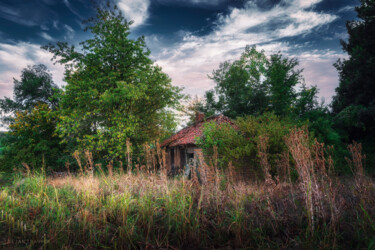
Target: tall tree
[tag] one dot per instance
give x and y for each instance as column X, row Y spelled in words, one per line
column 282, row 78
column 114, row 91
column 354, row 102
column 255, row 84
column 240, row 84
column 32, row 119
column 35, row 86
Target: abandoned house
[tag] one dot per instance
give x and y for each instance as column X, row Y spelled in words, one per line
column 181, row 147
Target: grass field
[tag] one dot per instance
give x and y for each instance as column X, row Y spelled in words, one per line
column 146, row 209
column 139, row 210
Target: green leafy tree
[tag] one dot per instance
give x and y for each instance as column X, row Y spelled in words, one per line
column 32, row 139
column 282, row 78
column 306, row 100
column 32, row 119
column 240, row 84
column 318, row 118
column 355, row 94
column 114, row 91
column 35, row 86
column 255, row 84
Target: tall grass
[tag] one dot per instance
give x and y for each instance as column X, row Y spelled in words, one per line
column 145, row 209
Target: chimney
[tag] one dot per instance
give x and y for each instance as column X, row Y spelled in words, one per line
column 199, row 117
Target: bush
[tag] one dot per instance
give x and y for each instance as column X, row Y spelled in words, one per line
column 240, row 146
column 224, row 141
column 32, row 139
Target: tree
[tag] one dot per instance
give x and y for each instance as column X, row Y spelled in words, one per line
column 240, row 85
column 114, row 91
column 35, row 86
column 32, row 119
column 355, row 94
column 32, row 139
column 198, row 105
column 282, row 79
column 255, row 84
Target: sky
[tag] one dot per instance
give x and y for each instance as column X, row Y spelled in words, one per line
column 187, row 38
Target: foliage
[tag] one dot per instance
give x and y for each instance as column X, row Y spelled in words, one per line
column 270, row 126
column 32, row 139
column 225, row 139
column 32, row 121
column 240, row 146
column 2, row 138
column 255, row 84
column 280, row 89
column 240, row 86
column 354, row 103
column 196, row 106
column 355, row 93
column 282, row 78
column 114, row 91
column 306, row 101
column 35, row 86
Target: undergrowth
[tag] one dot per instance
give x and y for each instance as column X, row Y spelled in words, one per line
column 146, row 209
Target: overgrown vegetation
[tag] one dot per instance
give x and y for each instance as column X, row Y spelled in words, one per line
column 239, row 144
column 83, row 166
column 144, row 208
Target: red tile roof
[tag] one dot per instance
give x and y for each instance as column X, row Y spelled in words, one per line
column 187, row 135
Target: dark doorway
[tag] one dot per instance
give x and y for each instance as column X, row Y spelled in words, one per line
column 172, row 158
column 183, row 158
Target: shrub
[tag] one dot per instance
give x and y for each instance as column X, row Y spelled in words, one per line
column 241, row 146
column 228, row 143
column 32, row 139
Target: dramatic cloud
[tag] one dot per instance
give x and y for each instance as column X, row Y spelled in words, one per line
column 290, row 26
column 15, row 57
column 189, row 61
column 136, row 10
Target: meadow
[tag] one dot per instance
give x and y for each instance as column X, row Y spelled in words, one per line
column 106, row 207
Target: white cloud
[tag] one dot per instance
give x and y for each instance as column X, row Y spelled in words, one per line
column 46, row 36
column 69, row 35
column 15, row 57
column 304, row 21
column 346, row 9
column 189, row 61
column 136, row 10
column 306, row 3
